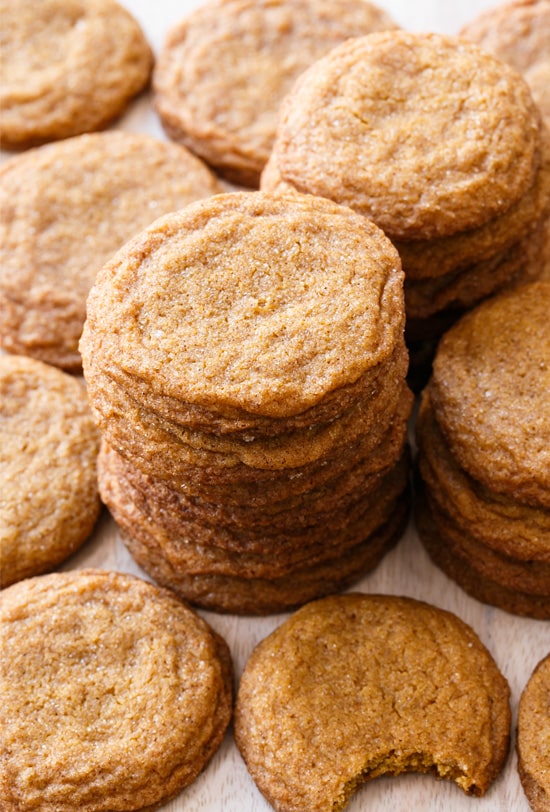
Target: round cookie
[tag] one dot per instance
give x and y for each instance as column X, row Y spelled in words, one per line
column 64, row 210
column 285, row 299
column 48, row 467
column 427, row 135
column 533, row 737
column 518, row 32
column 129, row 692
column 68, row 67
column 225, row 108
column 357, row 686
column 489, row 391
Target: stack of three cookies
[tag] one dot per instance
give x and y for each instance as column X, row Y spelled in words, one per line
column 483, row 433
column 246, row 364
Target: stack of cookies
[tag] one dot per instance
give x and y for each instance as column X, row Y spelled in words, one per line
column 441, row 145
column 483, row 511
column 246, row 364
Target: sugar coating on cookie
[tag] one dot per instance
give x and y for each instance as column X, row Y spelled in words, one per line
column 115, row 694
column 428, row 135
column 490, row 388
column 68, row 67
column 249, row 301
column 48, row 467
column 533, row 737
column 224, row 70
column 65, row 209
column 356, row 686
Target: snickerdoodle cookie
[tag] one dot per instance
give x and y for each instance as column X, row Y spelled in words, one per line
column 245, row 363
column 129, row 693
column 533, row 737
column 357, row 686
column 225, row 68
column 67, row 67
column 65, row 208
column 48, row 457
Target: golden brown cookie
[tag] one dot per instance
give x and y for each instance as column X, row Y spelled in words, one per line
column 357, row 686
column 518, row 531
column 518, row 32
column 489, row 391
column 225, row 68
column 128, row 690
column 48, row 456
column 267, row 337
column 64, row 210
column 462, row 568
column 67, row 67
column 533, row 737
column 427, row 135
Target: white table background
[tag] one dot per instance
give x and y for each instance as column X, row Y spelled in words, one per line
column 517, row 644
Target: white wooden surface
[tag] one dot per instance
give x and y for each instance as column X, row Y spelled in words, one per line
column 516, row 643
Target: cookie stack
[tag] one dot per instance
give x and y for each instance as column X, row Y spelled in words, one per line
column 441, row 145
column 483, row 433
column 246, row 364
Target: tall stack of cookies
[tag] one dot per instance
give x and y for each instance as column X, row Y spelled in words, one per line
column 483, row 511
column 246, row 364
column 441, row 145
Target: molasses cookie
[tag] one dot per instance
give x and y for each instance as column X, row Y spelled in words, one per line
column 48, row 456
column 253, row 397
column 68, row 67
column 64, row 210
column 225, row 107
column 357, row 686
column 129, row 692
column 532, row 737
column 406, row 129
column 483, row 429
column 489, row 392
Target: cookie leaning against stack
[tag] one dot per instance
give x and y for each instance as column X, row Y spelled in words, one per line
column 246, row 365
column 225, row 108
column 48, row 467
column 518, row 32
column 129, row 692
column 440, row 144
column 483, row 510
column 355, row 686
column 68, row 67
column 64, row 210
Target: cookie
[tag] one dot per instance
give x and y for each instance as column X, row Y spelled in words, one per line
column 129, row 691
column 225, row 108
column 48, row 467
column 413, row 124
column 518, row 32
column 403, row 128
column 258, row 443
column 482, row 506
column 64, row 210
column 494, row 414
column 68, row 67
column 271, row 340
column 532, row 737
column 461, row 569
column 356, row 686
